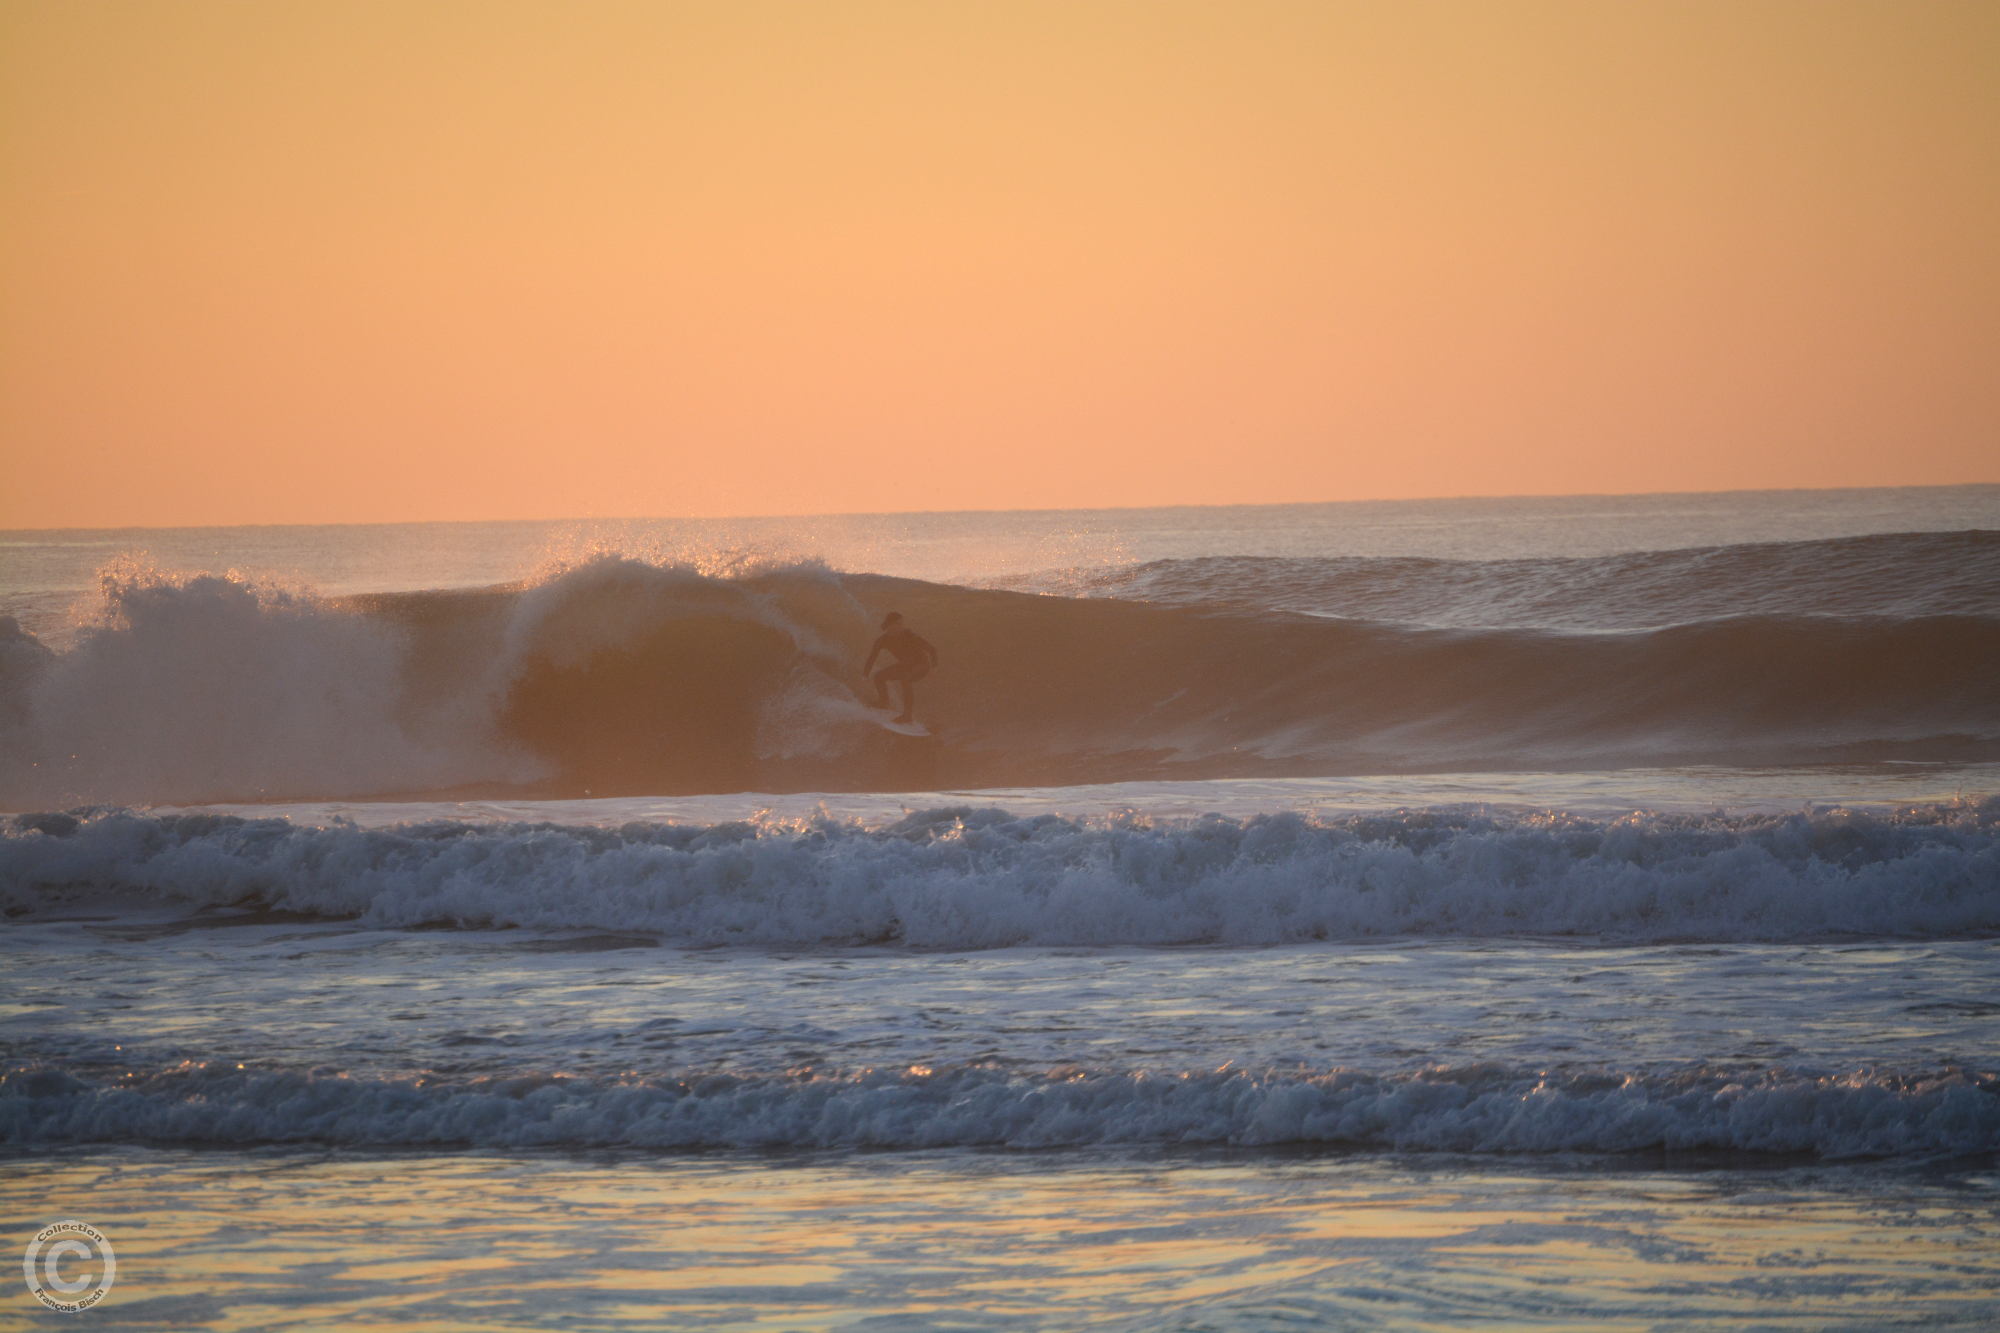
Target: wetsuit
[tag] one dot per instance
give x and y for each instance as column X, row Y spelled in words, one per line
column 914, row 655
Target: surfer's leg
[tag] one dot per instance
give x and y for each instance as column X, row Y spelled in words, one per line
column 909, row 701
column 897, row 672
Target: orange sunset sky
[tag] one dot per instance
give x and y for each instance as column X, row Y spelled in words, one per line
column 330, row 260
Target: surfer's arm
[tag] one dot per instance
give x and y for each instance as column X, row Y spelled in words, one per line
column 873, row 653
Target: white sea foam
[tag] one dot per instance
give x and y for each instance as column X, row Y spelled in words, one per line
column 214, row 684
column 971, row 878
column 203, row 687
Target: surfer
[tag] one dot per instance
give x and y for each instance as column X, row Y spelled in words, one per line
column 914, row 659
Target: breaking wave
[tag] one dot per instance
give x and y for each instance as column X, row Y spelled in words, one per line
column 973, row 879
column 617, row 677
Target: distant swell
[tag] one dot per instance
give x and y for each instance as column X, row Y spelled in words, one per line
column 971, row 879
column 1481, row 1108
column 617, row 677
column 1896, row 575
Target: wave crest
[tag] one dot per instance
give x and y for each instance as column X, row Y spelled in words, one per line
column 1888, row 574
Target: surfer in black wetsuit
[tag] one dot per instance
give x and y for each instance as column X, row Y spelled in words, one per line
column 914, row 659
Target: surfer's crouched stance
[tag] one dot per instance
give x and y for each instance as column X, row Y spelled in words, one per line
column 914, row 659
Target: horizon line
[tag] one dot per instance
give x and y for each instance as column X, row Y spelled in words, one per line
column 1029, row 509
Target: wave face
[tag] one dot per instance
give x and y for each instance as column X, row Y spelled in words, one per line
column 621, row 678
column 973, row 879
column 1479, row 1108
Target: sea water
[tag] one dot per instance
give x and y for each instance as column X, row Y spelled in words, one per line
column 1570, row 913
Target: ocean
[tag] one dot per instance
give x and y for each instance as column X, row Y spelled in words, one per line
column 1572, row 912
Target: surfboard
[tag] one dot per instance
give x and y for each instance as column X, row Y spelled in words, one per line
column 902, row 728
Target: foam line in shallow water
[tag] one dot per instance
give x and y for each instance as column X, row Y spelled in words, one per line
column 1482, row 1108
column 970, row 878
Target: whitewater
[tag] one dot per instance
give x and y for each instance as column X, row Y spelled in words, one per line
column 1565, row 912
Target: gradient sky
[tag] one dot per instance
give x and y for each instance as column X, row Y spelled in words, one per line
column 307, row 260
